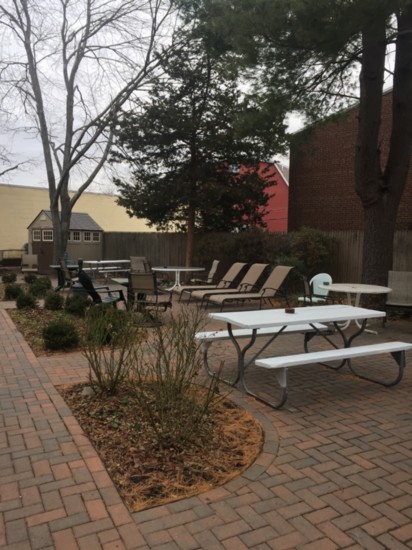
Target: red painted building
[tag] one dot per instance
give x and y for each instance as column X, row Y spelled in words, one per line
column 276, row 217
column 277, row 208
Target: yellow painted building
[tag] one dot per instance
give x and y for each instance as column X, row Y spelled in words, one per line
column 19, row 205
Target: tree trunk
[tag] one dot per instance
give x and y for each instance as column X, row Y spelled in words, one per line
column 381, row 191
column 190, row 236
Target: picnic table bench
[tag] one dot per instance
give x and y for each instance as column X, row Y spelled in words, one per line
column 280, row 365
column 209, row 337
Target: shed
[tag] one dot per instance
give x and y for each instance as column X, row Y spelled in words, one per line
column 85, row 238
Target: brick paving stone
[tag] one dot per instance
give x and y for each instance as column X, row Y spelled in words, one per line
column 65, row 540
column 339, row 453
column 367, row 541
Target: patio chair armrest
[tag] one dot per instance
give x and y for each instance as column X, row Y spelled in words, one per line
column 274, row 291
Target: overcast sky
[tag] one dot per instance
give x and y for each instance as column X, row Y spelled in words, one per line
column 28, row 148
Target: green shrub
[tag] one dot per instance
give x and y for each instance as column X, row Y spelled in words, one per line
column 40, row 286
column 60, row 334
column 12, row 291
column 314, row 248
column 9, row 277
column 53, row 301
column 76, row 305
column 26, row 301
column 29, row 278
column 105, row 324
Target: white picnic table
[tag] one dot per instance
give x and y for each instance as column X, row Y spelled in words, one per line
column 310, row 321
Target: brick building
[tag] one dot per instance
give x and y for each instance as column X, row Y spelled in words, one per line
column 322, row 175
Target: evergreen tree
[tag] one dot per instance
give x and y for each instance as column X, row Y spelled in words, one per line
column 186, row 143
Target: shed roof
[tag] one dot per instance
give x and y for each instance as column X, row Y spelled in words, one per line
column 79, row 221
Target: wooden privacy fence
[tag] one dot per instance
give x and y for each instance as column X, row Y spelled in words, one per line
column 169, row 249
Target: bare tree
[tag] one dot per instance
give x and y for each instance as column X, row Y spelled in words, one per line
column 72, row 64
column 6, row 164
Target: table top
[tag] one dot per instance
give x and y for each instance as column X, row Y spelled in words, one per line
column 69, row 266
column 176, row 268
column 106, row 262
column 124, row 281
column 262, row 318
column 356, row 288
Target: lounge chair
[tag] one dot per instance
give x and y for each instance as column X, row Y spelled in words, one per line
column 29, row 263
column 225, row 282
column 270, row 289
column 210, row 280
column 313, row 294
column 247, row 284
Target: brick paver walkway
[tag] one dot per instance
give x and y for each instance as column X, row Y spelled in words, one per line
column 335, row 471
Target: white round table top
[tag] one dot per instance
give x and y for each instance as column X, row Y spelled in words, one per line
column 176, row 268
column 356, row 288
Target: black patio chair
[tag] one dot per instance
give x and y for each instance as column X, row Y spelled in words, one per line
column 99, row 294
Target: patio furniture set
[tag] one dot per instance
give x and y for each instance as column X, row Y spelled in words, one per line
column 240, row 286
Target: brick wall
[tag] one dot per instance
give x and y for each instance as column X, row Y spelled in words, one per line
column 322, row 180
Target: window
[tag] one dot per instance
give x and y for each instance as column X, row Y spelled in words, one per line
column 75, row 236
column 36, row 234
column 48, row 235
column 87, row 236
column 96, row 236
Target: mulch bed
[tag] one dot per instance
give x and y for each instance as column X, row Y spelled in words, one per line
column 147, row 475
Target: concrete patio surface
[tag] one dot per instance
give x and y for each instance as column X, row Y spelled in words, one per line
column 335, row 470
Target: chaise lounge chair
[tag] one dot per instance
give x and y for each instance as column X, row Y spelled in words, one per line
column 225, row 282
column 247, row 284
column 210, row 279
column 270, row 289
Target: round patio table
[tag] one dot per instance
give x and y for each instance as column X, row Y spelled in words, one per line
column 356, row 290
column 177, row 270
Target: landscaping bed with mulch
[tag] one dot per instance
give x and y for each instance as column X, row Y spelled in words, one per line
column 145, row 473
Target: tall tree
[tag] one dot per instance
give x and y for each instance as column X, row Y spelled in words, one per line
column 70, row 66
column 186, row 143
column 313, row 52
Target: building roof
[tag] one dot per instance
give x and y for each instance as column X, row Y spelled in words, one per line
column 79, row 221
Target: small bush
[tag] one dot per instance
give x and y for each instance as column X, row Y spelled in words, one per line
column 60, row 335
column 106, row 324
column 9, row 278
column 12, row 291
column 29, row 278
column 53, row 301
column 26, row 301
column 76, row 305
column 112, row 328
column 40, row 286
column 314, row 248
column 166, row 377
